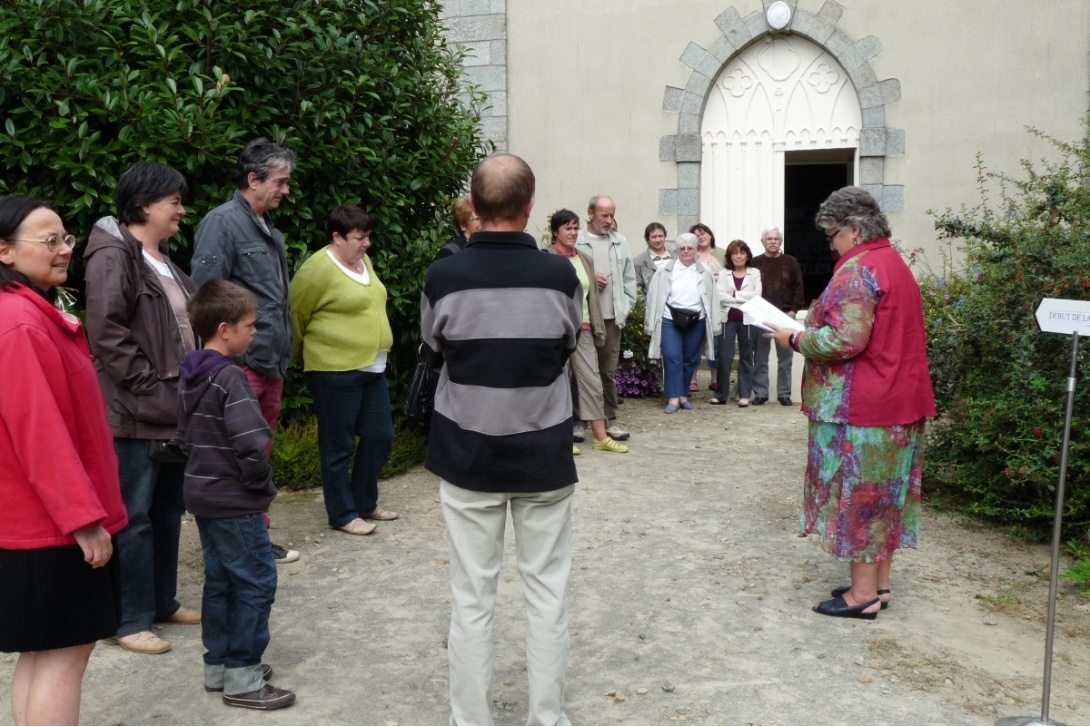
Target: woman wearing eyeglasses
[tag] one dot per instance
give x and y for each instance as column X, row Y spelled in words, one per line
column 60, row 503
column 139, row 333
column 867, row 392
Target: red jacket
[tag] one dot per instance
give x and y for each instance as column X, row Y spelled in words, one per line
column 58, row 469
column 865, row 344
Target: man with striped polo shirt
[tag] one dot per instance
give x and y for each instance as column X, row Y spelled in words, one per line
column 501, row 320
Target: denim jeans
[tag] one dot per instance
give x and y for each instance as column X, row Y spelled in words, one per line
column 735, row 330
column 680, row 356
column 239, row 590
column 147, row 549
column 760, row 366
column 351, row 404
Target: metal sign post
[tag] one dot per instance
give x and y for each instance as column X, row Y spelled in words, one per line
column 1070, row 317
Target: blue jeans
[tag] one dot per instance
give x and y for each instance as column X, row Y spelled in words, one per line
column 760, row 366
column 735, row 330
column 147, row 549
column 680, row 356
column 239, row 590
column 351, row 404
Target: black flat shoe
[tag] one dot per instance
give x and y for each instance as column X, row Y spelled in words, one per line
column 839, row 607
column 759, row 400
column 836, row 592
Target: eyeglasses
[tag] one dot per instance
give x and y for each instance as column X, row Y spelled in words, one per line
column 829, row 237
column 54, row 242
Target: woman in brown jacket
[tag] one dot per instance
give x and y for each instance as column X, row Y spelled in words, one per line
column 139, row 334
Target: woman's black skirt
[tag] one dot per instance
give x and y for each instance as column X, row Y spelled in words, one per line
column 51, row 599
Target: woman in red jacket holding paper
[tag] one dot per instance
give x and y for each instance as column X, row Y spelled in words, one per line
column 867, row 392
column 60, row 501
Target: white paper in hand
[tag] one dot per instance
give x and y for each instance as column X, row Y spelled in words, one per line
column 761, row 311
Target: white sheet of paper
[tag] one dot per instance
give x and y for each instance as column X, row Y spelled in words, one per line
column 763, row 311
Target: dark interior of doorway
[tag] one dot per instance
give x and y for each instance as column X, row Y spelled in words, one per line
column 809, row 177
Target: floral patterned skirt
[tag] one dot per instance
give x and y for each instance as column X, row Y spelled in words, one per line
column 862, row 489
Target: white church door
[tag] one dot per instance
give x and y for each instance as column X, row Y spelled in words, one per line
column 780, row 95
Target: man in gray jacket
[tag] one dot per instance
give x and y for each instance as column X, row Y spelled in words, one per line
column 238, row 242
column 616, row 280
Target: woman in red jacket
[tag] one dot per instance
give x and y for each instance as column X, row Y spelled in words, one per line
column 60, row 502
column 867, row 392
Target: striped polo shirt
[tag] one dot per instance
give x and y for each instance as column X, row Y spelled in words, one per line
column 506, row 318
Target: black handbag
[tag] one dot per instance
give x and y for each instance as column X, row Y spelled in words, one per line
column 420, row 399
column 683, row 319
column 167, row 451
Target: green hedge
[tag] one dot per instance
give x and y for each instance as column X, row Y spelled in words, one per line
column 1000, row 383
column 295, row 452
column 366, row 93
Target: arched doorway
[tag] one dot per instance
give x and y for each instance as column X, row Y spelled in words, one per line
column 780, row 130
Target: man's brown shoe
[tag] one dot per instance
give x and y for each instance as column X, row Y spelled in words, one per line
column 185, row 616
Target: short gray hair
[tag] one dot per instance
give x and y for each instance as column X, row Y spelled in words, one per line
column 260, row 157
column 593, row 204
column 767, row 230
column 853, row 206
column 686, row 237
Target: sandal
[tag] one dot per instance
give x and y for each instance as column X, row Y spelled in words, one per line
column 743, row 403
column 714, row 401
column 694, row 386
column 837, row 592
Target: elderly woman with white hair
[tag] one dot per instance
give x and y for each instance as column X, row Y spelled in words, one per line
column 682, row 312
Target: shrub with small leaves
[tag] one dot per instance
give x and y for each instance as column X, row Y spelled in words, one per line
column 1000, row 383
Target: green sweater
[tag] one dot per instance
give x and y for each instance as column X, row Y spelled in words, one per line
column 340, row 324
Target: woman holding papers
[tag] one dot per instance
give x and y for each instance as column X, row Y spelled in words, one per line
column 737, row 284
column 867, row 391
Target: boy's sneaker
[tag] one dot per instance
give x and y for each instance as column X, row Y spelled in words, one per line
column 282, row 556
column 268, row 697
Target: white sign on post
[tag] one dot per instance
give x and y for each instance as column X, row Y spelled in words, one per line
column 1058, row 315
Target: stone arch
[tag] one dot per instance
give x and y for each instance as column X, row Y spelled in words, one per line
column 876, row 140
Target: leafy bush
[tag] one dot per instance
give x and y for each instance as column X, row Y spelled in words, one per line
column 1000, row 383
column 365, row 92
column 294, row 456
column 637, row 375
column 297, row 464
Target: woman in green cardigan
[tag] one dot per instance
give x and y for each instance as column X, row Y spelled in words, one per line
column 342, row 336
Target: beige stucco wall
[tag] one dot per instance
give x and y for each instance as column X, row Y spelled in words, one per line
column 586, row 81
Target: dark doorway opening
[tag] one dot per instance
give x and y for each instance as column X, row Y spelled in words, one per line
column 809, row 177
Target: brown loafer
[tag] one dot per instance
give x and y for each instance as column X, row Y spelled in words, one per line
column 381, row 514
column 358, row 527
column 185, row 616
